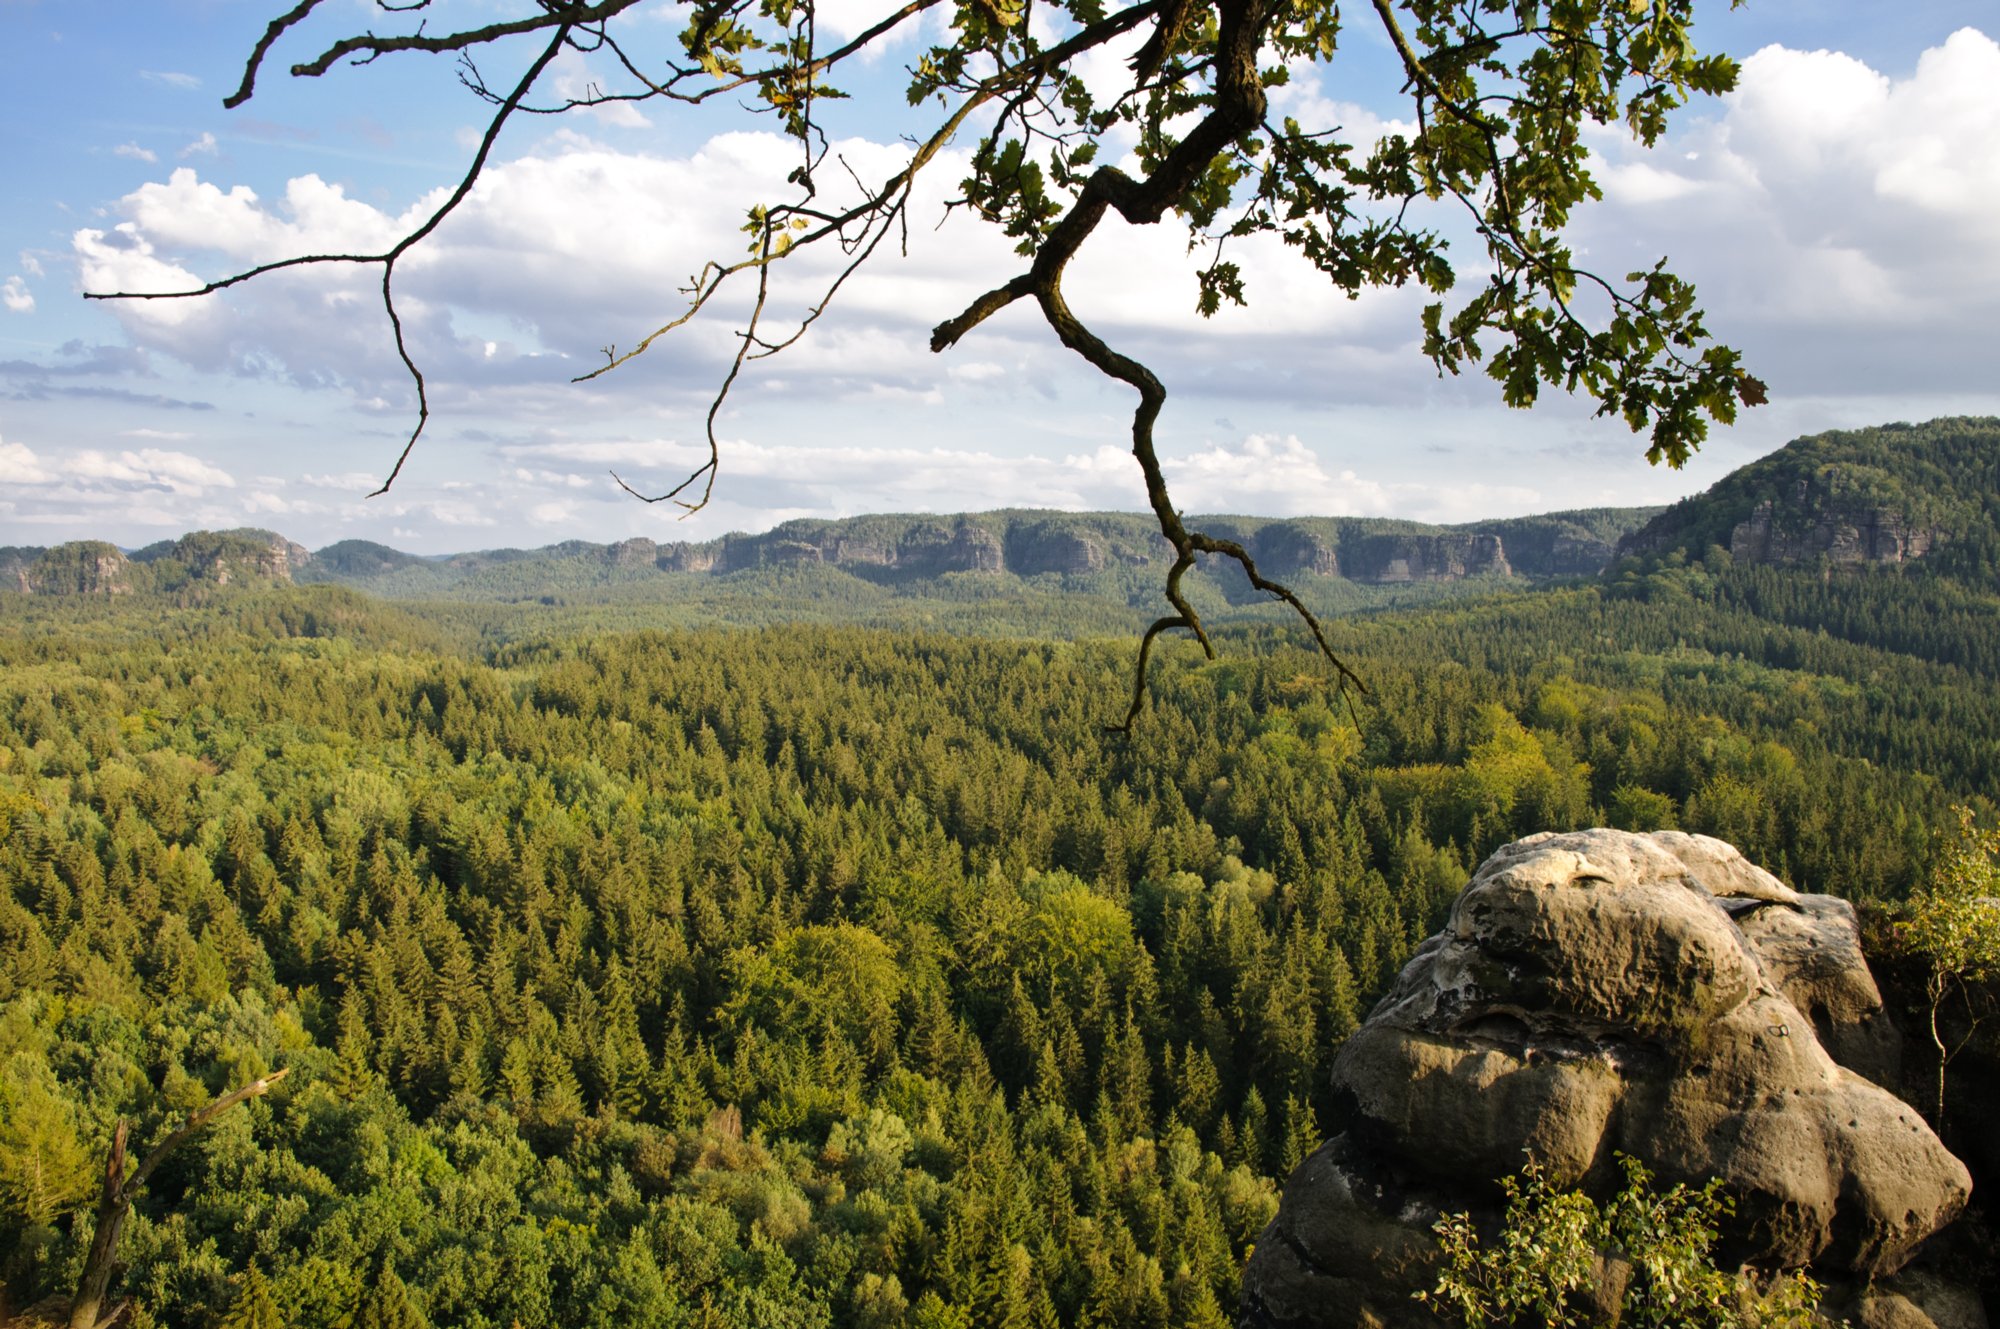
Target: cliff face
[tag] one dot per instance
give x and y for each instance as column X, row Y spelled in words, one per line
column 1078, row 544
column 1414, row 558
column 15, row 563
column 1868, row 496
column 924, row 547
column 1813, row 525
column 1286, row 549
column 1810, row 519
column 227, row 557
column 81, row 567
column 1044, row 546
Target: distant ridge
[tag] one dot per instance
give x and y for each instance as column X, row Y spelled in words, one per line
column 1888, row 495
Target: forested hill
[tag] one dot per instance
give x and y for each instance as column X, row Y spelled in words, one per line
column 1109, row 555
column 1885, row 496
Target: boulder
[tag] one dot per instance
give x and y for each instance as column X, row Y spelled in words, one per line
column 1599, row 993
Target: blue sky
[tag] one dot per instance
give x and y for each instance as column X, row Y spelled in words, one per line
column 1836, row 213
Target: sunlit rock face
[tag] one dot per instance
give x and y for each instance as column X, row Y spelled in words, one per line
column 1598, row 993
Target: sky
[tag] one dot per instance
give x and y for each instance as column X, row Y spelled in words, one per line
column 1836, row 213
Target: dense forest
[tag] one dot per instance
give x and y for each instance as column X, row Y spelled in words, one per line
column 827, row 975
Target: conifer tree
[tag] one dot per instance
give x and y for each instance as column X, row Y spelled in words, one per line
column 255, row 1306
column 386, row 1304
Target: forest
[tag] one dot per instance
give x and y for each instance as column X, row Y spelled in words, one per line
column 812, row 974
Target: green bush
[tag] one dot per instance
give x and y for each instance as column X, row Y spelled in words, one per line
column 1562, row 1260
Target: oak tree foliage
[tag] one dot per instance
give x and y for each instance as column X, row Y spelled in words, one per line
column 1500, row 93
column 1952, row 923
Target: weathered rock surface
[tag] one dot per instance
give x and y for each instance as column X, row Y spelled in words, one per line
column 1074, row 544
column 81, row 567
column 1600, row 993
column 1286, row 549
column 1813, row 525
column 1414, row 558
column 638, row 552
column 1043, row 546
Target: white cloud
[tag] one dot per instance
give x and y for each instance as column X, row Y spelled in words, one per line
column 148, row 468
column 17, row 297
column 574, row 81
column 352, row 482
column 170, row 79
column 20, row 466
column 93, row 493
column 136, row 153
column 1837, row 221
column 30, row 264
column 205, row 146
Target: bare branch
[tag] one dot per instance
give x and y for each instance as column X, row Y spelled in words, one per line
column 387, row 258
column 370, row 47
column 256, row 60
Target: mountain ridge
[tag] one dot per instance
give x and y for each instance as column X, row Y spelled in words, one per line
column 1888, row 495
column 891, row 547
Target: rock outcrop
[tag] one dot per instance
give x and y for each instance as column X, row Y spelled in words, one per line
column 929, row 549
column 1811, row 526
column 1414, row 558
column 1286, row 549
column 638, row 552
column 226, row 557
column 80, row 567
column 1600, row 993
column 1047, row 546
column 1078, row 544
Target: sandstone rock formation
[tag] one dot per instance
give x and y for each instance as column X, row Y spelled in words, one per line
column 638, row 552
column 81, row 567
column 1815, row 525
column 1603, row 992
column 1046, row 546
column 1412, row 558
column 1286, row 549
column 1075, row 544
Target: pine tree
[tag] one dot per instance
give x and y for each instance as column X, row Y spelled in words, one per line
column 387, row 1305
column 255, row 1305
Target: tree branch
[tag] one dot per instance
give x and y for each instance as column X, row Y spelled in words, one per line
column 116, row 1192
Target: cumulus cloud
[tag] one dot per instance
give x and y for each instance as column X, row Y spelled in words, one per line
column 136, row 153
column 20, row 466
column 1836, row 219
column 147, row 468
column 17, row 297
column 205, row 146
column 574, row 82
column 112, row 494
